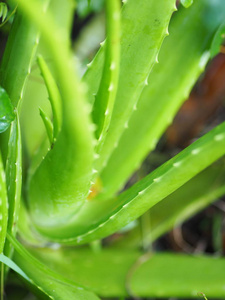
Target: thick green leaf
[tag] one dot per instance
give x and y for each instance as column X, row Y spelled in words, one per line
column 3, row 207
column 115, row 213
column 54, row 97
column 169, row 85
column 16, row 62
column 105, row 98
column 31, row 123
column 48, row 125
column 143, row 30
column 116, row 273
column 217, row 40
column 176, row 208
column 46, row 281
column 7, row 114
column 61, row 183
column 13, row 180
column 3, row 11
column 186, row 3
column 181, row 276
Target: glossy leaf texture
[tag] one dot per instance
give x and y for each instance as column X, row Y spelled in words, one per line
column 54, row 97
column 129, row 205
column 143, row 30
column 8, row 262
column 61, row 183
column 16, row 62
column 46, row 283
column 13, row 180
column 3, row 11
column 218, row 40
column 31, row 124
column 123, row 273
column 188, row 200
column 7, row 114
column 187, row 3
column 169, row 86
column 105, row 97
column 3, row 207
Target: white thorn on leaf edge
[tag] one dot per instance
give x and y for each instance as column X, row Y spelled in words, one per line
column 157, row 179
column 113, row 66
column 177, row 164
column 195, row 151
column 219, row 137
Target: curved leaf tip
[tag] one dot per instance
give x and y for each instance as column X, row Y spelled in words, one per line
column 187, row 3
column 7, row 114
column 218, row 39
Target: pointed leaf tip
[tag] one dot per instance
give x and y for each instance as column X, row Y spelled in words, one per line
column 7, row 114
column 187, row 3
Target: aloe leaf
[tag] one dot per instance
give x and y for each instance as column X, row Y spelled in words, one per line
column 217, row 40
column 54, row 97
column 119, row 273
column 187, row 3
column 61, row 183
column 31, row 123
column 13, row 180
column 16, row 62
column 189, row 199
column 3, row 207
column 18, row 56
column 169, row 85
column 104, row 100
column 143, row 30
column 48, row 125
column 115, row 213
column 3, row 11
column 46, row 281
column 180, row 276
column 7, row 114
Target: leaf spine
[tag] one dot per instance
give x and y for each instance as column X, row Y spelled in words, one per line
column 219, row 137
column 195, row 151
column 111, row 87
column 177, row 164
column 113, row 66
column 157, row 179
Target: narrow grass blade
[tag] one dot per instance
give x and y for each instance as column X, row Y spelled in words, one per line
column 104, row 100
column 143, row 30
column 45, row 280
column 18, row 55
column 8, row 262
column 3, row 207
column 169, row 86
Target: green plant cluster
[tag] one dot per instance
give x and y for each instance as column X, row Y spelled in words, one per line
column 73, row 144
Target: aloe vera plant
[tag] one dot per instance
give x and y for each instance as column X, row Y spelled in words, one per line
column 62, row 173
